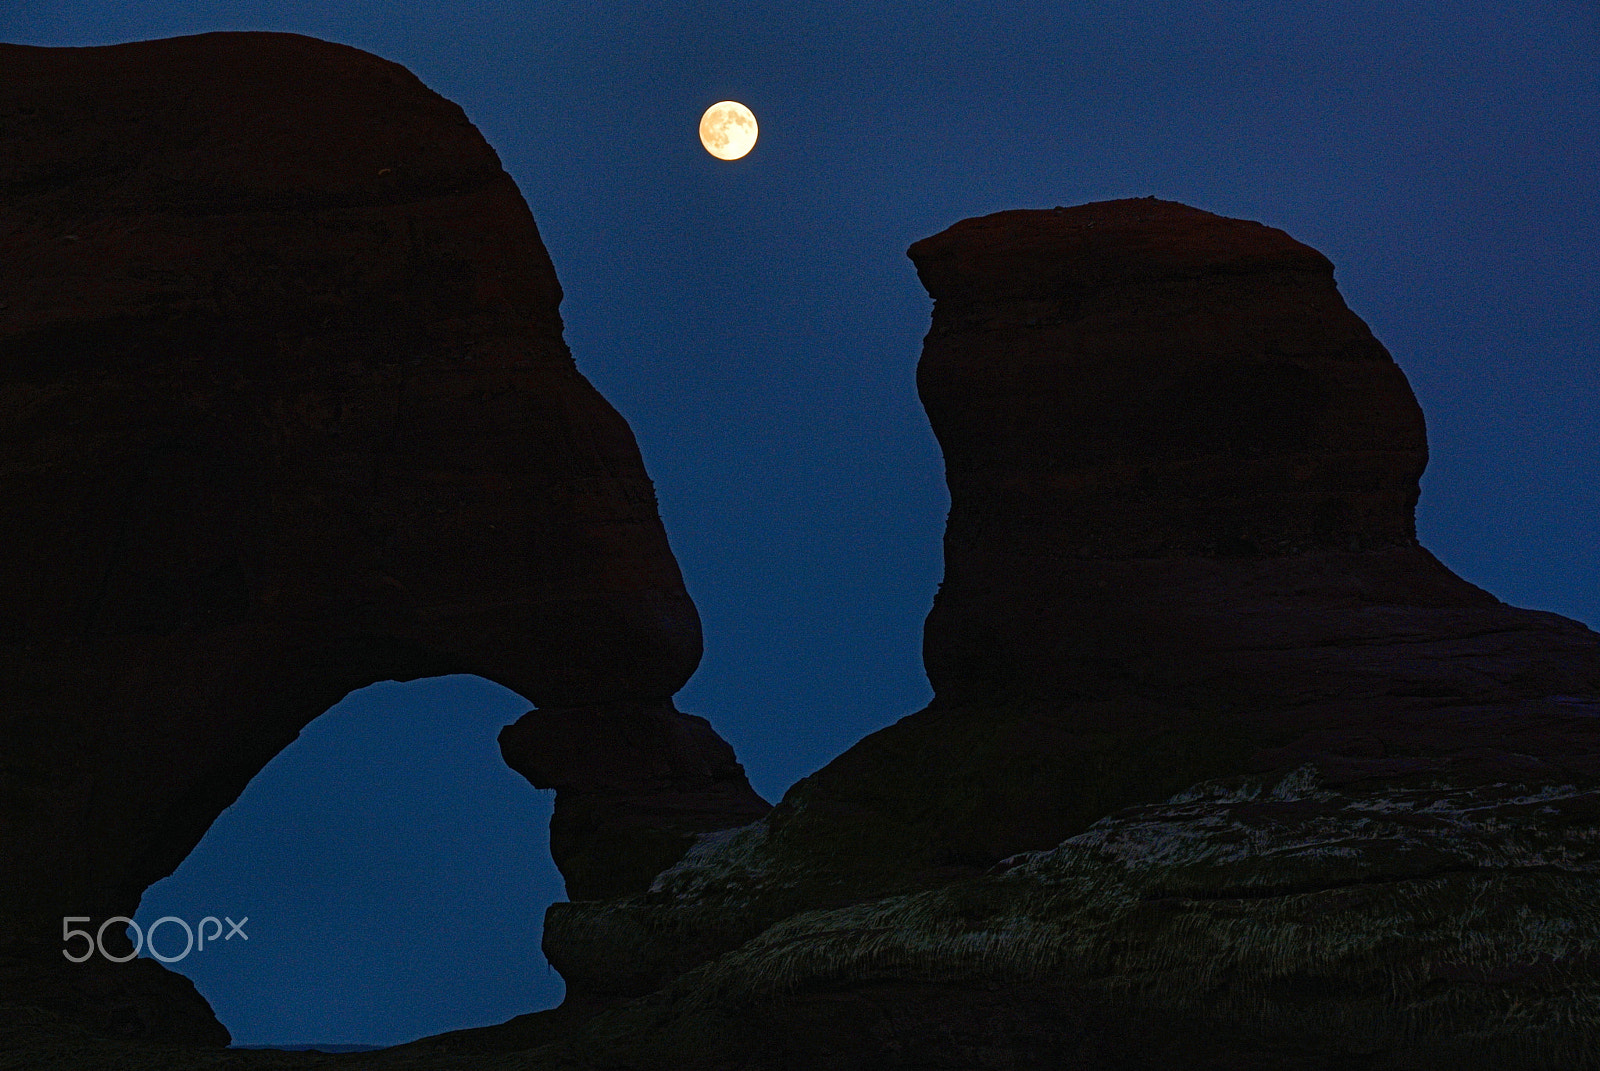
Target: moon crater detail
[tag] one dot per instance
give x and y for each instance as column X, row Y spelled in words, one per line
column 728, row 130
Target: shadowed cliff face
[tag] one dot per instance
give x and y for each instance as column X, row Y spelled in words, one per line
column 284, row 410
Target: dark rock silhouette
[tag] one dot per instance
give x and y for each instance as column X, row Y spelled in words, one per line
column 634, row 788
column 286, row 411
column 1224, row 770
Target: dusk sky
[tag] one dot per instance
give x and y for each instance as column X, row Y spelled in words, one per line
column 758, row 325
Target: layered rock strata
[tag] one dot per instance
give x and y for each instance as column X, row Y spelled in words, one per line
column 285, row 410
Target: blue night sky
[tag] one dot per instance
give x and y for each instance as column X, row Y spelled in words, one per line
column 758, row 324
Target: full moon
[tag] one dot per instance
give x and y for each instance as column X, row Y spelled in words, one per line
column 728, row 130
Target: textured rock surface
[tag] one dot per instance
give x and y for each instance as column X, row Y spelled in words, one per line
column 284, row 410
column 1239, row 924
column 1180, row 567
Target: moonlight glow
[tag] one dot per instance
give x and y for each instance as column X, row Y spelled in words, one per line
column 728, row 130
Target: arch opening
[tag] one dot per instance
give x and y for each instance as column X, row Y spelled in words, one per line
column 393, row 870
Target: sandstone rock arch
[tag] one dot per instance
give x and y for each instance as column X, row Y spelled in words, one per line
column 286, row 410
column 1184, row 677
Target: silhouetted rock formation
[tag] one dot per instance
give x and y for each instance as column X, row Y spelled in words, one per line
column 286, row 411
column 634, row 787
column 1137, row 380
column 1223, row 768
